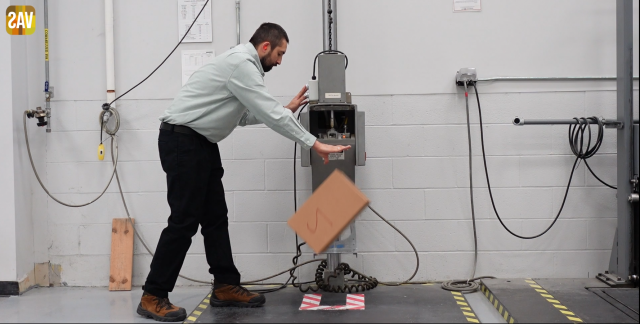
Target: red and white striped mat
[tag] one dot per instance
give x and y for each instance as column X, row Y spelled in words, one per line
column 312, row 302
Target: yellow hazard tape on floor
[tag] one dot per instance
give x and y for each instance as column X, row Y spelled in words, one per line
column 204, row 304
column 496, row 303
column 464, row 307
column 556, row 303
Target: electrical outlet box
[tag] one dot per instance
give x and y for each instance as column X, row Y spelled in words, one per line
column 466, row 75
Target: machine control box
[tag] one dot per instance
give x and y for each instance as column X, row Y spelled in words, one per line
column 332, row 86
column 339, row 124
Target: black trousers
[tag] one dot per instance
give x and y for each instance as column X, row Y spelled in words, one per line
column 196, row 197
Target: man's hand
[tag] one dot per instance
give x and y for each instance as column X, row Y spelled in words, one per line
column 324, row 149
column 298, row 101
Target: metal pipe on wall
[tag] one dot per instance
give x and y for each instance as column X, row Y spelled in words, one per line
column 585, row 78
column 238, row 21
column 110, row 61
column 330, row 24
column 522, row 122
column 48, row 91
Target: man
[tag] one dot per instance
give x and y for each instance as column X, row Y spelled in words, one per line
column 224, row 94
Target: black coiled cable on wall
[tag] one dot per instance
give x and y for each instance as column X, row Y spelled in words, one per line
column 576, row 141
column 577, row 144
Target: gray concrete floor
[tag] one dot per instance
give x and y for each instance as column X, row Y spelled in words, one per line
column 73, row 305
column 87, row 305
column 404, row 304
column 411, row 303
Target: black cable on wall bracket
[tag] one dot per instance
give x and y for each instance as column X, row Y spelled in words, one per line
column 577, row 144
column 166, row 58
column 576, row 141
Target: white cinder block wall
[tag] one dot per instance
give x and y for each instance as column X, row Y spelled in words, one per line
column 403, row 58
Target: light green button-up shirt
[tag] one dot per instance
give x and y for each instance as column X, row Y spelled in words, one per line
column 229, row 92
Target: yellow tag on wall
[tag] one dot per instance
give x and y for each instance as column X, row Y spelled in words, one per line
column 101, row 152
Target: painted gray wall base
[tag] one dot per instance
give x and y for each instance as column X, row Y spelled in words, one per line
column 9, row 288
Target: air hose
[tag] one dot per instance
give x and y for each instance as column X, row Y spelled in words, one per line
column 114, row 142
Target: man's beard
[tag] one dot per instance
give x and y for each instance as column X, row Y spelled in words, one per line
column 265, row 65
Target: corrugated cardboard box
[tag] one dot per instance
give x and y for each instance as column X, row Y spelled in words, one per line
column 331, row 208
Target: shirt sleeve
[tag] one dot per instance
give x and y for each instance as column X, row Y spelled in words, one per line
column 246, row 84
column 248, row 119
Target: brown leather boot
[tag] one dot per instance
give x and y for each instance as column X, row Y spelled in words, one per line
column 234, row 296
column 160, row 309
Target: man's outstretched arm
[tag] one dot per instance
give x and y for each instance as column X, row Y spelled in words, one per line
column 247, row 85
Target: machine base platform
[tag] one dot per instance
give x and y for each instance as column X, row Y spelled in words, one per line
column 514, row 300
column 561, row 301
column 404, row 304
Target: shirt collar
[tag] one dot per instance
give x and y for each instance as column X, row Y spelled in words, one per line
column 252, row 51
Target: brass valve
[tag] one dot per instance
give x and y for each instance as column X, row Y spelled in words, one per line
column 40, row 114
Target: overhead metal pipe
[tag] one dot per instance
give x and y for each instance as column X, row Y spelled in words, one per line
column 522, row 122
column 585, row 78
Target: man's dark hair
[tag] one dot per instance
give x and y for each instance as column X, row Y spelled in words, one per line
column 269, row 32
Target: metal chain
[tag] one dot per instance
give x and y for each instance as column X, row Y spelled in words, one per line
column 330, row 12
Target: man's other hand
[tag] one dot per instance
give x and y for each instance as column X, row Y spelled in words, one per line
column 324, row 150
column 298, row 101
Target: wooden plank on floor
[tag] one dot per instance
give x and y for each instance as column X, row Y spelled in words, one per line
column 121, row 254
column 42, row 274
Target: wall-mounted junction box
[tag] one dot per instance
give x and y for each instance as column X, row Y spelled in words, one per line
column 466, row 75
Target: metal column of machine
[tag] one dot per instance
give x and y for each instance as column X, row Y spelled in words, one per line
column 335, row 121
column 623, row 265
column 330, row 24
